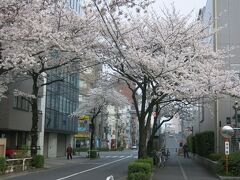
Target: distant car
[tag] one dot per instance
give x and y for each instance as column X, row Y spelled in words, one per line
column 134, row 147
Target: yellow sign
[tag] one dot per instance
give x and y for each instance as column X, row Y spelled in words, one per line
column 82, row 134
column 84, row 118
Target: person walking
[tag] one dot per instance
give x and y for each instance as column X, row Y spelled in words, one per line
column 69, row 151
column 185, row 150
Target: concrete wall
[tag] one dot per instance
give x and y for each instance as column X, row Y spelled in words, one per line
column 52, row 145
column 55, row 144
column 227, row 14
column 61, row 145
column 15, row 119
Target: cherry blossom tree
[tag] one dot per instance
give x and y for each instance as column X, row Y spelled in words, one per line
column 8, row 13
column 163, row 55
column 41, row 36
column 96, row 103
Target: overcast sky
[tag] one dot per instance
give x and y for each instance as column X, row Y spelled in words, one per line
column 184, row 6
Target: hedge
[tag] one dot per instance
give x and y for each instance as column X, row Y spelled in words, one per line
column 83, row 149
column 191, row 143
column 233, row 165
column 137, row 167
column 38, row 161
column 202, row 143
column 146, row 160
column 216, row 156
column 138, row 176
column 2, row 164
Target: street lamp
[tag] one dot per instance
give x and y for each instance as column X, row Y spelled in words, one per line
column 236, row 108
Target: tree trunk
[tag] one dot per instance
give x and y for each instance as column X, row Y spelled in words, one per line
column 92, row 145
column 34, row 129
column 150, row 140
column 150, row 145
column 142, row 153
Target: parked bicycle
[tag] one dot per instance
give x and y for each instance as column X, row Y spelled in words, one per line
column 161, row 157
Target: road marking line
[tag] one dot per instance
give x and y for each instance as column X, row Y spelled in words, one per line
column 81, row 172
column 182, row 170
column 90, row 163
column 110, row 178
column 122, row 156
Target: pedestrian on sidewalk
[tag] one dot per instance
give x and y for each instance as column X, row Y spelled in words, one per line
column 185, row 150
column 69, row 151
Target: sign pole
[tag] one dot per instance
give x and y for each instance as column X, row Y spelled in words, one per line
column 227, row 132
column 226, row 154
column 226, row 159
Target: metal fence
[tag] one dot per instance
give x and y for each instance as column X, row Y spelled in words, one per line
column 16, row 165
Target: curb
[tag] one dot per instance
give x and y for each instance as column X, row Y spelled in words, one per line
column 228, row 177
column 34, row 170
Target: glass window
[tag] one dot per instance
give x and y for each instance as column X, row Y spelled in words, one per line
column 15, row 99
column 20, row 103
column 48, row 101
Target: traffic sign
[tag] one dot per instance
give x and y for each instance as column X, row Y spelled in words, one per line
column 226, row 147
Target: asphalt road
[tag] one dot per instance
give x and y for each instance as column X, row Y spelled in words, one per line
column 109, row 163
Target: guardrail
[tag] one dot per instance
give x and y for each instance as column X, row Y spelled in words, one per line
column 14, row 164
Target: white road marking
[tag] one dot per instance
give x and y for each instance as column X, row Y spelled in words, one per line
column 110, row 178
column 90, row 163
column 182, row 170
column 81, row 172
column 180, row 165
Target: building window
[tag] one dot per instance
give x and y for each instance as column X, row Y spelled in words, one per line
column 20, row 103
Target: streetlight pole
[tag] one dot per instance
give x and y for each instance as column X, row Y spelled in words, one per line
column 236, row 108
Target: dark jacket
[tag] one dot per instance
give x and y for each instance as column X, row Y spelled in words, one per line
column 69, row 150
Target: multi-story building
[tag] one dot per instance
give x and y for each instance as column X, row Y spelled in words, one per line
column 56, row 128
column 214, row 115
column 61, row 101
column 16, row 116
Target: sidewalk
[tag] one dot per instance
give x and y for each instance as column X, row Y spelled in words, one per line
column 179, row 168
column 50, row 163
column 61, row 161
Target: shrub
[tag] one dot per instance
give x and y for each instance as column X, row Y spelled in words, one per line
column 103, row 149
column 38, row 161
column 115, row 149
column 121, row 148
column 83, row 149
column 146, row 160
column 191, row 143
column 93, row 154
column 137, row 167
column 233, row 165
column 2, row 164
column 138, row 176
column 215, row 156
column 204, row 143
